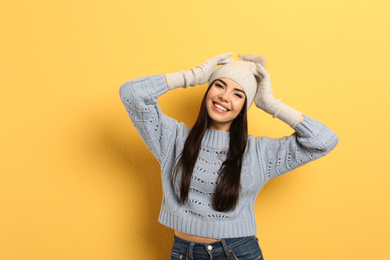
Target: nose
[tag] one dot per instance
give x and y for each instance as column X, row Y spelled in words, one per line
column 224, row 96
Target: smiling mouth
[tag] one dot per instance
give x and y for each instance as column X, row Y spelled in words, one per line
column 221, row 108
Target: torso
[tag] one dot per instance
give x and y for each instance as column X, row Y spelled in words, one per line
column 193, row 238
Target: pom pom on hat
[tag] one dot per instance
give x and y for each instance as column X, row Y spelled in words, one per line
column 241, row 71
column 253, row 58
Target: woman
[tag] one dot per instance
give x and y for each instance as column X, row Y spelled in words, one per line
column 212, row 172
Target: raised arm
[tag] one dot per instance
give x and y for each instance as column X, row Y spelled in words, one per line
column 139, row 96
column 311, row 140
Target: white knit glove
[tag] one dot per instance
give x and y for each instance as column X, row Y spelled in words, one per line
column 264, row 99
column 199, row 75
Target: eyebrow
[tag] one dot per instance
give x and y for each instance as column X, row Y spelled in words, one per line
column 237, row 89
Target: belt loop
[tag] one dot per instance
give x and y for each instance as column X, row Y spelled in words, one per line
column 191, row 250
column 225, row 248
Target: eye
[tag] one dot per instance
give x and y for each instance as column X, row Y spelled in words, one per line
column 238, row 95
column 218, row 85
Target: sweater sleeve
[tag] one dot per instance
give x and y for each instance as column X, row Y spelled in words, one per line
column 310, row 141
column 139, row 96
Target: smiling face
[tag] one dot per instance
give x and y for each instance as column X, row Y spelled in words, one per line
column 224, row 102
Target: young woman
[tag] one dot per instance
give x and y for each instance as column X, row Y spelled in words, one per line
column 212, row 172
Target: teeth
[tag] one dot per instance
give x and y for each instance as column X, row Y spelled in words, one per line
column 220, row 107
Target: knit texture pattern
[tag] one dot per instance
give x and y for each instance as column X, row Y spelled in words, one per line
column 264, row 159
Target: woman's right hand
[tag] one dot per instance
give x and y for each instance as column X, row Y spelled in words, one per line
column 199, row 75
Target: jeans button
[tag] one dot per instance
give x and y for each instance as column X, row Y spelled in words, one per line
column 210, row 247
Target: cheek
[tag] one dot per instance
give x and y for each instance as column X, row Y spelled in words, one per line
column 208, row 105
column 239, row 104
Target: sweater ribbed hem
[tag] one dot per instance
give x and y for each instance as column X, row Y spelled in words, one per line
column 212, row 229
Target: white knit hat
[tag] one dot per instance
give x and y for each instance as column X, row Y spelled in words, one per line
column 241, row 72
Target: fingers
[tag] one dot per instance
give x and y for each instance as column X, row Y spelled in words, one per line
column 224, row 56
column 256, row 72
column 218, row 60
column 225, row 61
column 261, row 71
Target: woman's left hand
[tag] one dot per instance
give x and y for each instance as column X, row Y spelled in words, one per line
column 265, row 100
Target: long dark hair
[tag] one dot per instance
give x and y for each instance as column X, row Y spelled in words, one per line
column 228, row 182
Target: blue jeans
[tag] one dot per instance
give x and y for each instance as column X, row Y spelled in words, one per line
column 242, row 248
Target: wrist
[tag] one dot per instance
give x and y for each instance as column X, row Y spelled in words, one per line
column 288, row 115
column 174, row 80
column 181, row 79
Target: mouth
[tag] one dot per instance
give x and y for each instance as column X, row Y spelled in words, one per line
column 220, row 108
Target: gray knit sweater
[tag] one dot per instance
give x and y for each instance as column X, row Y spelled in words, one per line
column 264, row 159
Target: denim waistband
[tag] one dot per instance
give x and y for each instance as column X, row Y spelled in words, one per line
column 219, row 246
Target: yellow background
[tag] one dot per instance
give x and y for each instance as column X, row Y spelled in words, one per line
column 76, row 180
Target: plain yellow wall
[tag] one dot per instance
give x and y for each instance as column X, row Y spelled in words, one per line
column 76, row 180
